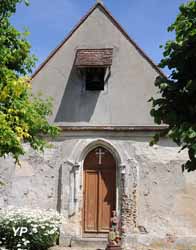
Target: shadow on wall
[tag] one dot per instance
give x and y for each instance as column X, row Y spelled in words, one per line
column 77, row 105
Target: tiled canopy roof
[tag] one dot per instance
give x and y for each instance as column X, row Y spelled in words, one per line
column 93, row 57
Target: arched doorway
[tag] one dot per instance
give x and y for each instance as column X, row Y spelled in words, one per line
column 99, row 190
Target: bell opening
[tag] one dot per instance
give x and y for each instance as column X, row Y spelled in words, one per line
column 95, row 79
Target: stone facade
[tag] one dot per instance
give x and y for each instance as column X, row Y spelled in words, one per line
column 155, row 200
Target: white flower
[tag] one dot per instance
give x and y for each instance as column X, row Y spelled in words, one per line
column 34, row 230
column 47, row 220
column 51, row 232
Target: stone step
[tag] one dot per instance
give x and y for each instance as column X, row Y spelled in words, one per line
column 94, row 243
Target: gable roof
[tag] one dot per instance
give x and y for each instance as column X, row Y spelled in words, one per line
column 116, row 23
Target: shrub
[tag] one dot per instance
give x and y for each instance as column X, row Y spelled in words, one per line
column 28, row 229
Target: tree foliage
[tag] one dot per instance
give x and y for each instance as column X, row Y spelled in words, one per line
column 23, row 117
column 176, row 104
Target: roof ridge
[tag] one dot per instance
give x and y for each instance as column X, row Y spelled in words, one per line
column 119, row 26
column 116, row 23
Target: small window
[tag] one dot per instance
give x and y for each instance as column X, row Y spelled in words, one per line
column 95, row 79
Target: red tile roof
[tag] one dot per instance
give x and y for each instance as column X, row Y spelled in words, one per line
column 93, row 57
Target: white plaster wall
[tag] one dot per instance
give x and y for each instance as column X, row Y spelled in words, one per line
column 166, row 194
column 126, row 95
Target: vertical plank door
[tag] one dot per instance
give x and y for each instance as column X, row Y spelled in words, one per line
column 99, row 190
column 106, row 198
column 91, row 200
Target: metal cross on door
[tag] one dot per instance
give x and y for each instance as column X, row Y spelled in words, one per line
column 100, row 152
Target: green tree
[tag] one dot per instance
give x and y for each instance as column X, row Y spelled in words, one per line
column 23, row 117
column 176, row 104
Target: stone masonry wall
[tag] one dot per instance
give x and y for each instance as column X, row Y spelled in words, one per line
column 157, row 200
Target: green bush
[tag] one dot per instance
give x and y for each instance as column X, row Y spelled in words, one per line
column 25, row 229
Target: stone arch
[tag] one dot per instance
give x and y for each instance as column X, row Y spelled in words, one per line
column 76, row 160
column 82, row 148
column 128, row 182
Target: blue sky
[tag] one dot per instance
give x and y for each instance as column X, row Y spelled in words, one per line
column 49, row 21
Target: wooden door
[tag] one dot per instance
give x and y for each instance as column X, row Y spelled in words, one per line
column 99, row 190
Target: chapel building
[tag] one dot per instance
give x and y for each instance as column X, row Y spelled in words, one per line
column 100, row 81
